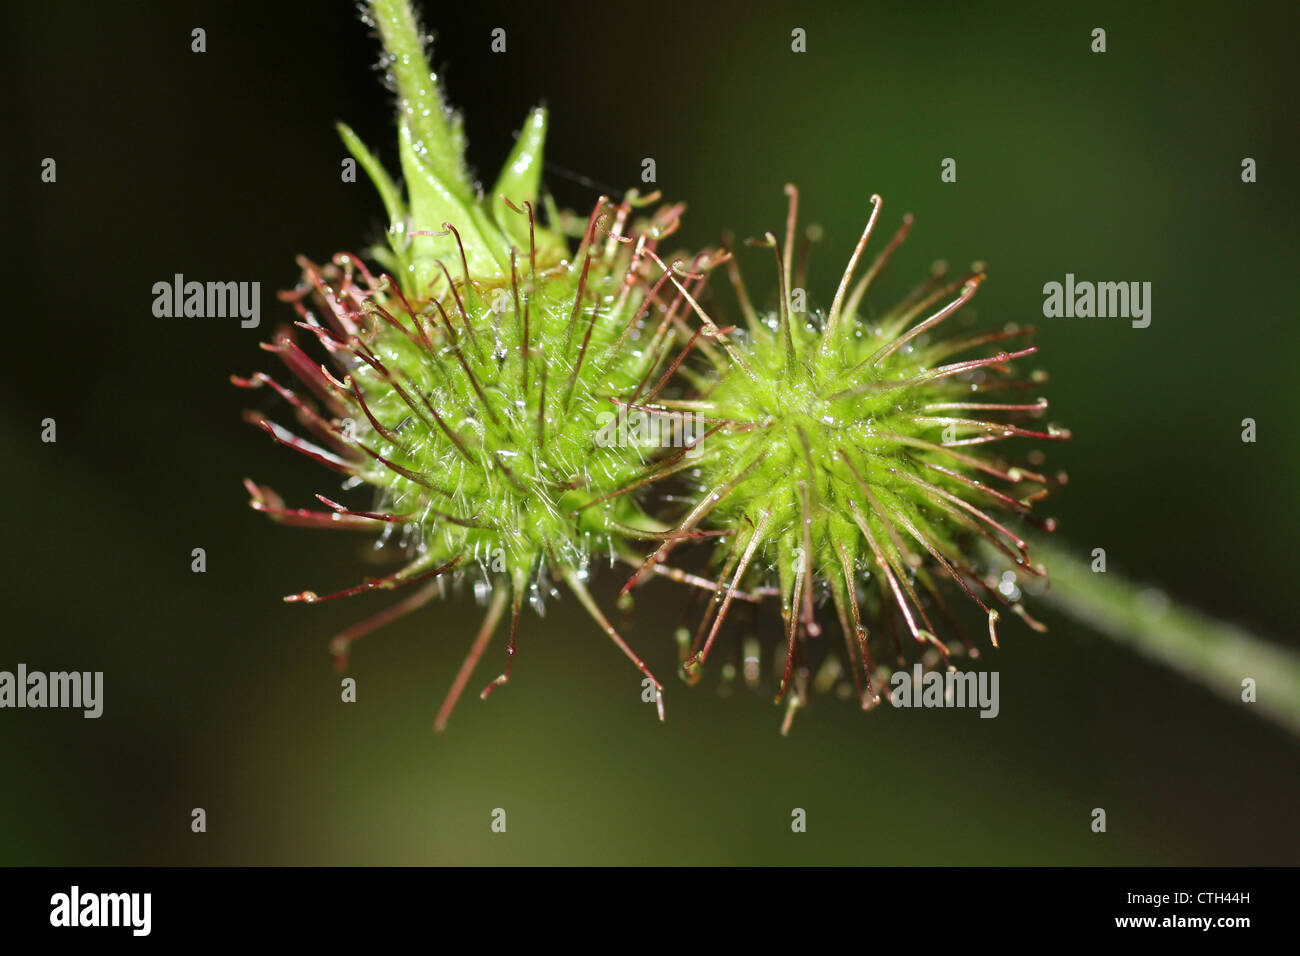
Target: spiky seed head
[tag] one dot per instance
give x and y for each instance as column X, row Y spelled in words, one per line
column 469, row 387
column 859, row 459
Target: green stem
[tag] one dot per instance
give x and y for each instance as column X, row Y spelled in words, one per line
column 431, row 148
column 1212, row 653
column 435, row 130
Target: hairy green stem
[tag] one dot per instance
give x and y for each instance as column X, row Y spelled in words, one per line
column 1215, row 654
column 423, row 109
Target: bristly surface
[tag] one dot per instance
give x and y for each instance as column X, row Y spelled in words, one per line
column 476, row 419
column 859, row 459
column 467, row 385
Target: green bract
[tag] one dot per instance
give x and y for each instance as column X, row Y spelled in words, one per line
column 431, row 146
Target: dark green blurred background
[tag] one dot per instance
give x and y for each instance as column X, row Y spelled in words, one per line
column 1122, row 166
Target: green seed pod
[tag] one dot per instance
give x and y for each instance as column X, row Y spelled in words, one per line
column 851, row 458
column 477, row 396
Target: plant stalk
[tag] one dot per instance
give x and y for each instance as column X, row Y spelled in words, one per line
column 1215, row 654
